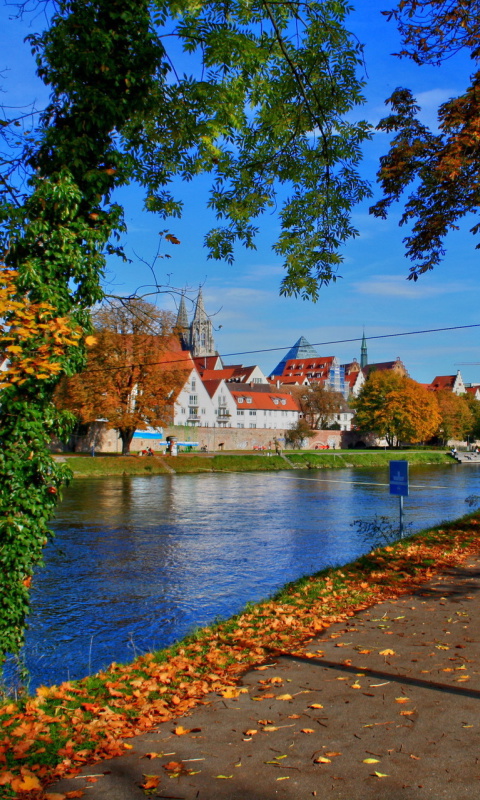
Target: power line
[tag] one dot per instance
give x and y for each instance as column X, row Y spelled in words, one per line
column 276, row 349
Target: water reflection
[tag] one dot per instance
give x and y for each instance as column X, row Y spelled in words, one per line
column 139, row 561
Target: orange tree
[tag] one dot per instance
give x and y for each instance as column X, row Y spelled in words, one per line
column 118, row 111
column 456, row 418
column 441, row 167
column 396, row 408
column 134, row 370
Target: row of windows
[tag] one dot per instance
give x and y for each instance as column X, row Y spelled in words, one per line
column 276, row 400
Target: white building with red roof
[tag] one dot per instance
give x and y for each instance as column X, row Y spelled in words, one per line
column 450, row 383
column 257, row 408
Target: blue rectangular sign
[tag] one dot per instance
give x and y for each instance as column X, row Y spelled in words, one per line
column 399, row 478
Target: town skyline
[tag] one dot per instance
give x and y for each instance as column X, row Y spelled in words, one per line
column 372, row 293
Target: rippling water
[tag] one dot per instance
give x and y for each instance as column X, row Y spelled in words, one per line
column 137, row 562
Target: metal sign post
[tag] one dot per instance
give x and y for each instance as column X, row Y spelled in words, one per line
column 399, row 485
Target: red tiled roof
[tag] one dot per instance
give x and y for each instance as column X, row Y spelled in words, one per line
column 351, row 378
column 212, row 386
column 315, row 368
column 266, row 401
column 206, row 362
column 237, row 373
column 443, row 382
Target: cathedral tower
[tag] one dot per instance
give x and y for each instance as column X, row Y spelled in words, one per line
column 201, row 331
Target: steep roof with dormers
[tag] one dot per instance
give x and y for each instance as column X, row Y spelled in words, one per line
column 265, row 401
column 316, row 370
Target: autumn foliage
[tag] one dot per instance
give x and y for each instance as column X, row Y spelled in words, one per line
column 33, row 338
column 134, row 371
column 397, row 408
column 439, row 169
column 456, row 417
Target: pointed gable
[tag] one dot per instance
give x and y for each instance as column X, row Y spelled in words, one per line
column 300, row 350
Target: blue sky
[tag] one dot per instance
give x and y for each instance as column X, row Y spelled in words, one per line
column 373, row 292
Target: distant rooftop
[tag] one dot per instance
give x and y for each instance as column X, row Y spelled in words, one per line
column 301, row 349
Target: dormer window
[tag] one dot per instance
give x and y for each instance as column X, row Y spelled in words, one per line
column 249, row 399
column 283, row 402
column 240, row 399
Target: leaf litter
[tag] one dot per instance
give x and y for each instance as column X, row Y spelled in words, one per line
column 62, row 728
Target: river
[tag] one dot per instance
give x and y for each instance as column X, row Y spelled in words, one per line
column 138, row 562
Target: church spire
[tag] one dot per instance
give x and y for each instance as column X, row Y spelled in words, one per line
column 201, row 330
column 182, row 324
column 363, row 352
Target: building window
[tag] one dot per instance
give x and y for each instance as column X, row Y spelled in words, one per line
column 183, row 410
column 240, row 425
column 240, row 412
column 240, row 399
column 202, row 411
column 249, row 399
column 194, row 384
column 252, row 413
column 193, row 400
column 252, row 425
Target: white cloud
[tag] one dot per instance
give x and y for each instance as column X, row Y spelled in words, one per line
column 398, row 286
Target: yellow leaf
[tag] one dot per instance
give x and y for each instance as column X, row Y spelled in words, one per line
column 251, row 732
column 371, row 761
column 285, row 778
column 284, row 697
column 387, row 652
column 27, row 783
column 355, row 686
column 224, row 777
column 380, row 775
column 322, row 760
column 90, row 340
column 269, row 728
column 315, row 705
column 402, row 699
column 181, row 731
column 231, row 693
column 307, row 730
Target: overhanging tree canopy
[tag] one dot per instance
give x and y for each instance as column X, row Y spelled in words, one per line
column 268, row 105
column 442, row 168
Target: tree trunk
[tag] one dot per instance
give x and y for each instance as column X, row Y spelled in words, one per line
column 126, row 435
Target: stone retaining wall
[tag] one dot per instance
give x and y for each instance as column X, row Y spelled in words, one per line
column 104, row 440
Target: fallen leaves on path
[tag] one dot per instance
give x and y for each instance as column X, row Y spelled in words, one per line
column 87, row 721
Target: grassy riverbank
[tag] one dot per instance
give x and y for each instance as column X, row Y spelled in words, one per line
column 63, row 727
column 86, row 466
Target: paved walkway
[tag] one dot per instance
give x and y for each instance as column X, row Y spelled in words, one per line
column 385, row 706
column 468, row 458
